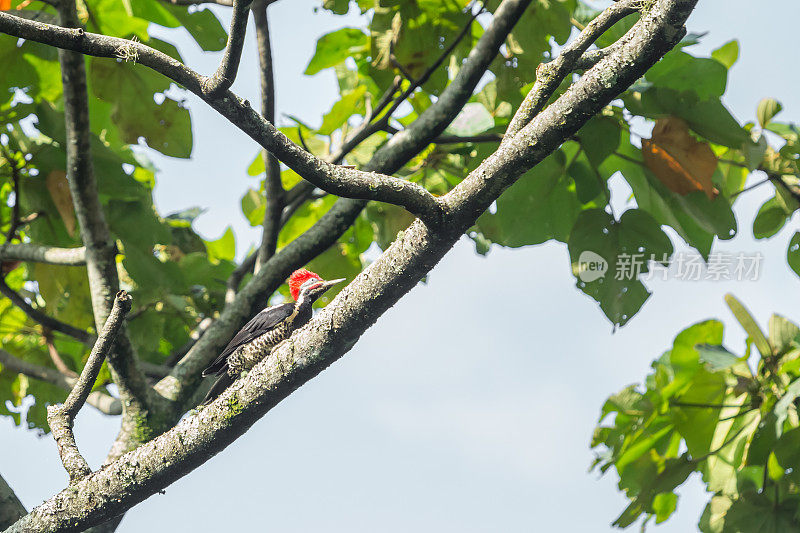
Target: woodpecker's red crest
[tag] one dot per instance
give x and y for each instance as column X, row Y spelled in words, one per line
column 297, row 279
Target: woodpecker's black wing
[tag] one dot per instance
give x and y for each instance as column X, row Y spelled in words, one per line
column 264, row 321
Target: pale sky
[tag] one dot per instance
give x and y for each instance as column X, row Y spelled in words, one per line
column 470, row 405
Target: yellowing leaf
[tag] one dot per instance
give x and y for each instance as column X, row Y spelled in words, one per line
column 59, row 190
column 5, row 5
column 678, row 160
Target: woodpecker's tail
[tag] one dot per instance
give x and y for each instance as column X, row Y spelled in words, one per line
column 222, row 383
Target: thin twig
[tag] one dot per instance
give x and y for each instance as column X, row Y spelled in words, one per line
column 61, row 417
column 273, row 187
column 55, row 356
column 750, row 187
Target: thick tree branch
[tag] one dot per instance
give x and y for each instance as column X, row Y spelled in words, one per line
column 272, row 181
column 100, row 249
column 225, row 75
column 11, row 509
column 43, row 319
column 549, row 75
column 61, row 417
column 101, row 401
column 37, row 253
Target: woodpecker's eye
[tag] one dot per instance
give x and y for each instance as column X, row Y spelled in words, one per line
column 309, row 283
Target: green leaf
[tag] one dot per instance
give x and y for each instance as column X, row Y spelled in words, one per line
column 131, row 88
column 675, row 472
column 727, row 54
column 203, row 25
column 783, row 334
column 254, row 206
column 782, row 406
column 754, row 153
column 333, row 48
column 599, row 138
column 708, row 118
column 753, row 512
column 771, row 217
column 223, row 248
column 471, row 120
column 716, row 358
column 793, row 253
column 588, row 181
column 766, row 110
column 540, row 206
column 682, row 72
column 787, row 449
column 156, row 12
column 530, row 38
column 340, row 7
column 749, row 324
column 698, row 425
column 348, row 105
column 621, row 250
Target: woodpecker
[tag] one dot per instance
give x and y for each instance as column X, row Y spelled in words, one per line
column 266, row 330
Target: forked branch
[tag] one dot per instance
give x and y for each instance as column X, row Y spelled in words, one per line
column 61, row 417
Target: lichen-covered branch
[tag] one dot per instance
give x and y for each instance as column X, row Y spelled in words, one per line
column 273, row 187
column 225, row 74
column 101, row 263
column 103, row 402
column 61, row 417
column 38, row 253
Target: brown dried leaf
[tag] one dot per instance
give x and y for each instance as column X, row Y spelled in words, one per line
column 59, row 190
column 678, row 160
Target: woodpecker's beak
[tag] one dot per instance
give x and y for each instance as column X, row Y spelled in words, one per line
column 328, row 284
column 322, row 287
